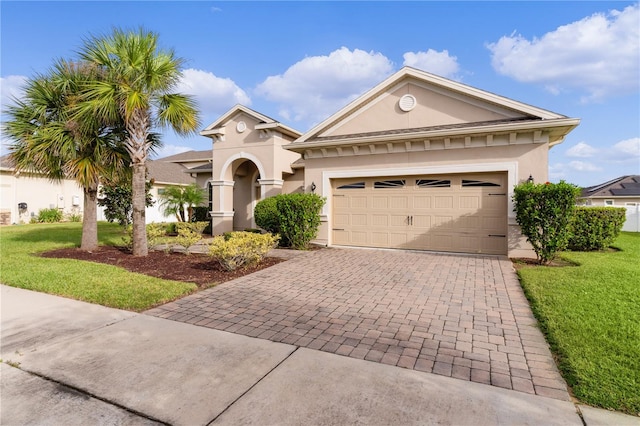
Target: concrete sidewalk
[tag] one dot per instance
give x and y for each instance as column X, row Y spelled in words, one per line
column 69, row 362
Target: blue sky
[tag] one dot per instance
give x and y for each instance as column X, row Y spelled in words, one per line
column 299, row 62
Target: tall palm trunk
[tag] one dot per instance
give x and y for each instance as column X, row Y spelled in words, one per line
column 89, row 239
column 138, row 195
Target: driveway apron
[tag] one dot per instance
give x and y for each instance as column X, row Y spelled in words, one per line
column 462, row 316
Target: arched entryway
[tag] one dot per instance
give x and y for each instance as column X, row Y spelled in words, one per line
column 246, row 193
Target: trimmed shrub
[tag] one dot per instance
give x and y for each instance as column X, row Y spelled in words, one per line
column 266, row 216
column 299, row 218
column 49, row 215
column 201, row 214
column 241, row 249
column 544, row 213
column 156, row 233
column 596, row 228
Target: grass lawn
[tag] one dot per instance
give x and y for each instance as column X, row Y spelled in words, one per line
column 591, row 316
column 91, row 282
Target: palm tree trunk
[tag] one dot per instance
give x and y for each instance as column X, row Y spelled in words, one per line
column 89, row 240
column 138, row 191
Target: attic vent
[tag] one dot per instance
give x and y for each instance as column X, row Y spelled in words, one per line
column 407, row 103
column 241, row 126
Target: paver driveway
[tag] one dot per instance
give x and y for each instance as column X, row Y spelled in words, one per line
column 461, row 316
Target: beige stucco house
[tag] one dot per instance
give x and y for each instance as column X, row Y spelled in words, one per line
column 417, row 162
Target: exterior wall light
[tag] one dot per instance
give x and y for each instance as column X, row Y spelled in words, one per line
column 313, row 187
column 530, row 180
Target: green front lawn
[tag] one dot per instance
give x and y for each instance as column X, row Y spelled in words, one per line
column 590, row 314
column 91, row 282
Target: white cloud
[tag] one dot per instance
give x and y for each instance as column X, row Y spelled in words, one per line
column 626, row 151
column 317, row 86
column 583, row 166
column 599, row 54
column 440, row 63
column 11, row 87
column 215, row 95
column 581, row 150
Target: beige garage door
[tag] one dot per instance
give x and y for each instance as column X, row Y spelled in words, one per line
column 458, row 213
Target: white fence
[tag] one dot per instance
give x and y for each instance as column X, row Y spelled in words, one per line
column 632, row 224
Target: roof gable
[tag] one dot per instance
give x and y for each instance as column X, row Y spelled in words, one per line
column 438, row 103
column 261, row 120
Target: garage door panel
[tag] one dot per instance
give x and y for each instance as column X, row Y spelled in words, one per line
column 399, row 203
column 398, row 220
column 341, row 237
column 469, row 202
column 380, row 220
column 358, row 202
column 421, row 221
column 359, row 219
column 421, row 202
column 380, row 202
column 358, row 238
column 443, row 202
column 341, row 219
column 380, row 239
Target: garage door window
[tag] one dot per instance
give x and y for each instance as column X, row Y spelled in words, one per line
column 355, row 185
column 381, row 184
column 477, row 183
column 433, row 183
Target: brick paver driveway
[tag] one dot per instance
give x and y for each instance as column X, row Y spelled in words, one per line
column 461, row 316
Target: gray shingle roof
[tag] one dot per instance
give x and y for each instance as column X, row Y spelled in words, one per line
column 167, row 172
column 624, row 186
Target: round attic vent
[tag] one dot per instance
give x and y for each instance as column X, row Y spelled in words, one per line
column 241, row 126
column 407, row 103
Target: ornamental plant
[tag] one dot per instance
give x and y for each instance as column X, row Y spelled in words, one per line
column 241, row 249
column 596, row 228
column 544, row 213
column 295, row 217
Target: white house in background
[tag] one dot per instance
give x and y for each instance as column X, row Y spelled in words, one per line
column 620, row 192
column 23, row 195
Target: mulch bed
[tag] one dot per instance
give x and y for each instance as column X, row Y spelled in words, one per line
column 194, row 268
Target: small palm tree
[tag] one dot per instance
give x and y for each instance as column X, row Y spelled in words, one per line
column 137, row 89
column 50, row 139
column 174, row 199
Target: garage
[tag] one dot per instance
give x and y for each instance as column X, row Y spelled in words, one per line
column 464, row 213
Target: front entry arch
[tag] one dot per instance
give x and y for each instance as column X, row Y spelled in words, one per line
column 246, row 193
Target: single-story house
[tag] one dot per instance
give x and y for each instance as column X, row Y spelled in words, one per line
column 417, row 162
column 623, row 191
column 24, row 194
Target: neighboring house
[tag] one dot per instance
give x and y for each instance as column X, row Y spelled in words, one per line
column 24, row 194
column 417, row 162
column 620, row 192
column 181, row 170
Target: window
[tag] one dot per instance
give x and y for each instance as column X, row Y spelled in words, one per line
column 608, row 202
column 381, row 184
column 433, row 183
column 476, row 183
column 355, row 185
column 631, row 204
column 161, row 191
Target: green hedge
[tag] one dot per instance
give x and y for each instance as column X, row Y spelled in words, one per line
column 49, row 215
column 544, row 212
column 596, row 228
column 241, row 249
column 295, row 217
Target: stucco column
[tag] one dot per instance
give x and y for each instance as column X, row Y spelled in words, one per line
column 222, row 212
column 270, row 187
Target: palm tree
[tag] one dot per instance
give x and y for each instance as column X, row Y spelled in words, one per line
column 139, row 80
column 175, row 198
column 49, row 139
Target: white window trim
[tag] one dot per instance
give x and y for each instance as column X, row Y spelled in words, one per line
column 606, row 202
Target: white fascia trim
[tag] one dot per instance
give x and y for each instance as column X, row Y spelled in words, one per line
column 221, row 214
column 222, row 182
column 276, row 182
column 511, row 167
